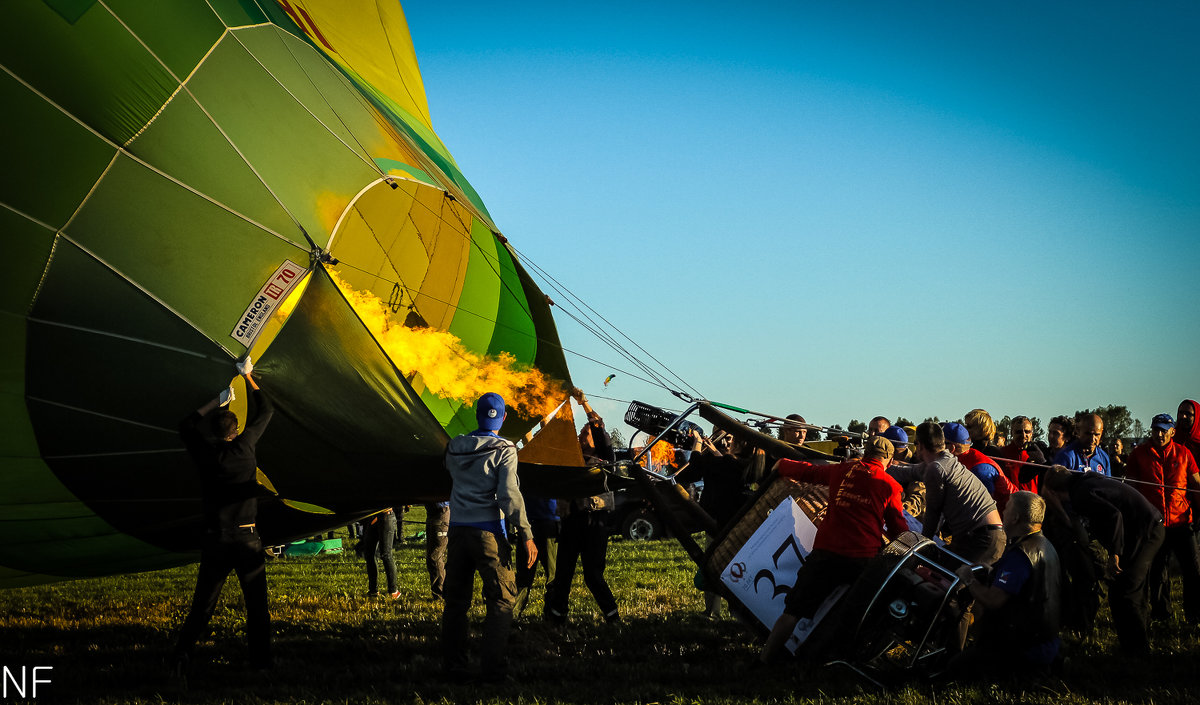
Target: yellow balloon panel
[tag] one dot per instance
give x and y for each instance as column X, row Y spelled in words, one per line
column 405, row 247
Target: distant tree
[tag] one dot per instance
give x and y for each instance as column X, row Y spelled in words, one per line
column 1003, row 426
column 901, row 421
column 1037, row 427
column 1139, row 431
column 856, row 426
column 813, row 435
column 1118, row 422
column 932, row 418
column 618, row 439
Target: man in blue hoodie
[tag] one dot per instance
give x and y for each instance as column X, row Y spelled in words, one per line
column 485, row 501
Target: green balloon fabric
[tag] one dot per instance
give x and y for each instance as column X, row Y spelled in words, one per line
column 181, row 180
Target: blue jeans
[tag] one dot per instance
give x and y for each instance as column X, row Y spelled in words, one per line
column 378, row 538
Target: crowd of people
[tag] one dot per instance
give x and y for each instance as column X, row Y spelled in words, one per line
column 1045, row 530
column 1046, row 540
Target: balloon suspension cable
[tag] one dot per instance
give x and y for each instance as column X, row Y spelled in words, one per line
column 776, row 420
column 1126, row 480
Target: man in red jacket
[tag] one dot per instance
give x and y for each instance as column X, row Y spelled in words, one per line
column 1171, row 470
column 863, row 498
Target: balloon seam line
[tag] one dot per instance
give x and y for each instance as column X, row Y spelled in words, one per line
column 102, row 415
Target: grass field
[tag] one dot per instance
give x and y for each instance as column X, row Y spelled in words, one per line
column 107, row 639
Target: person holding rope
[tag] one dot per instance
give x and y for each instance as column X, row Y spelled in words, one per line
column 1166, row 470
column 584, row 531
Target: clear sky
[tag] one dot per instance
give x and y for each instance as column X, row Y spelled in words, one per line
column 845, row 209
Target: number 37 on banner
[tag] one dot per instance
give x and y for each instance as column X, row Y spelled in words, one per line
column 764, row 570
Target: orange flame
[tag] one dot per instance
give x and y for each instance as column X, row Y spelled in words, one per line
column 661, row 453
column 449, row 369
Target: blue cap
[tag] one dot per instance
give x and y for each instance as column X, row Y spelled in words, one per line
column 956, row 433
column 897, row 435
column 1163, row 421
column 489, row 411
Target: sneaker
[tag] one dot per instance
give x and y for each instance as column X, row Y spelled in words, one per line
column 372, row 593
column 395, row 595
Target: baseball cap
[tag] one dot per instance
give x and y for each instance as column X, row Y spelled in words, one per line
column 489, row 411
column 878, row 447
column 1163, row 421
column 897, row 435
column 956, row 433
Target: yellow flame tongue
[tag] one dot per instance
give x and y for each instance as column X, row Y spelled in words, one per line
column 447, row 367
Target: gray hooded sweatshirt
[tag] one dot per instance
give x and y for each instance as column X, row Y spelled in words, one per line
column 484, row 472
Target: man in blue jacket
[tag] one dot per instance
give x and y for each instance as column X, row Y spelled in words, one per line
column 1084, row 453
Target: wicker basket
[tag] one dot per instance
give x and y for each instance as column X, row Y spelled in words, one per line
column 813, row 500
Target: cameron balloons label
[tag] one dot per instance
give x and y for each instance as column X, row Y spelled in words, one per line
column 266, row 301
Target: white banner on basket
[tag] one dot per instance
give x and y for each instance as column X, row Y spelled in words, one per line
column 764, row 570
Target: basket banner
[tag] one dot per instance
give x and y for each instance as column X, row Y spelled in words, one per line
column 764, row 569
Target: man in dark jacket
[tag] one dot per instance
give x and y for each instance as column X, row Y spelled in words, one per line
column 1021, row 605
column 1129, row 528
column 584, row 531
column 227, row 465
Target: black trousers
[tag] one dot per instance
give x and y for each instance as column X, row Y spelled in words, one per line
column 583, row 537
column 1128, row 596
column 242, row 553
column 1180, row 542
column 545, row 538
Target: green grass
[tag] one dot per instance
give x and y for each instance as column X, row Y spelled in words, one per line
column 107, row 639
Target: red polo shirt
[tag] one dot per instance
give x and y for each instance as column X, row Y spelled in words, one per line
column 862, row 499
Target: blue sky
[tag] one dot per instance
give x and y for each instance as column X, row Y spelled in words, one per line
column 847, row 209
